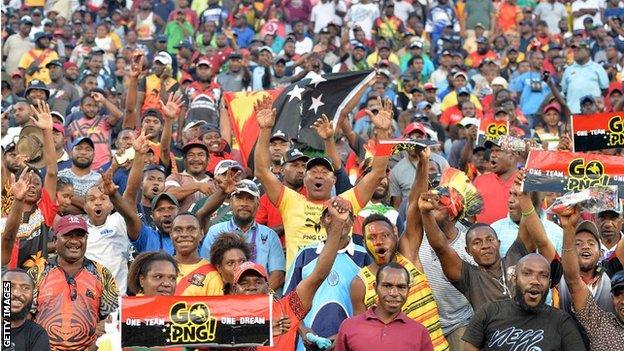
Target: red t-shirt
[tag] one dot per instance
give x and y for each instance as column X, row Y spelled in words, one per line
column 495, row 193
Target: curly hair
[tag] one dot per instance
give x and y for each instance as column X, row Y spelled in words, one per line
column 226, row 242
column 141, row 266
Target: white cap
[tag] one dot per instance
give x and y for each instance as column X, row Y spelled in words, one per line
column 163, row 57
column 466, row 121
column 266, row 48
column 500, row 81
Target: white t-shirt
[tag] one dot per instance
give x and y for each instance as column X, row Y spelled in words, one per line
column 587, row 4
column 364, row 15
column 304, row 46
column 322, row 15
column 402, row 10
column 109, row 245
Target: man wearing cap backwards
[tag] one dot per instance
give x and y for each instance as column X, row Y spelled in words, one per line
column 583, row 77
column 73, row 294
column 301, row 214
column 251, row 278
column 604, row 329
column 384, row 245
column 17, row 45
column 610, row 225
column 265, row 245
column 278, row 148
column 25, row 240
column 62, row 93
column 34, row 62
column 158, row 85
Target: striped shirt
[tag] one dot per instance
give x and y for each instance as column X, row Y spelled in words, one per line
column 420, row 305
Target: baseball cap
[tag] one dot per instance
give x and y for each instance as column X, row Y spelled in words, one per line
column 617, row 281
column 359, row 45
column 552, row 106
column 155, row 167
column 423, row 105
column 482, row 40
column 384, row 71
column 54, row 63
column 203, row 61
column 235, row 56
column 590, row 227
column 82, row 139
column 70, row 223
column 68, row 65
column 467, row 121
column 41, row 35
column 429, row 86
column 580, row 44
column 279, row 135
column 295, row 154
column 414, row 126
column 587, row 98
column 479, row 24
column 184, row 44
column 164, row 196
column 249, row 266
column 463, row 90
column 611, row 212
column 223, row 166
column 446, row 53
column 58, row 127
column 500, row 81
column 192, row 144
column 266, row 48
column 194, row 124
column 247, row 186
column 416, row 44
column 26, row 20
column 460, row 73
column 163, row 58
column 494, row 142
column 161, row 38
column 319, row 161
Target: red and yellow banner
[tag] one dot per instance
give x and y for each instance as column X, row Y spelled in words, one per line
column 240, row 107
column 491, row 129
column 394, row 146
column 206, row 321
column 562, row 171
column 598, row 131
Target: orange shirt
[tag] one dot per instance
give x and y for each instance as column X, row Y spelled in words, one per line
column 289, row 305
column 508, row 16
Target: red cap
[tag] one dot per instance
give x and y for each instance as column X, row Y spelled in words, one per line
column 59, row 128
column 428, row 86
column 552, row 106
column 68, row 65
column 250, row 266
column 414, row 126
column 68, row 223
column 203, row 61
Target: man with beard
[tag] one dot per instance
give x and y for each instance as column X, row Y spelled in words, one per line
column 203, row 95
column 251, row 278
column 73, row 294
column 35, row 60
column 237, row 76
column 83, row 50
column 384, row 246
column 385, row 326
column 71, row 75
column 496, row 324
column 292, row 173
column 354, row 62
column 80, row 172
column 193, row 183
column 488, row 280
column 610, row 225
column 301, row 214
column 265, row 245
column 604, row 329
column 95, row 125
column 26, row 335
column 157, row 86
column 278, row 146
column 25, row 232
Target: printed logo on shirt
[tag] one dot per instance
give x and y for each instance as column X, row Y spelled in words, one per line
column 517, row 339
column 197, row 279
column 333, row 278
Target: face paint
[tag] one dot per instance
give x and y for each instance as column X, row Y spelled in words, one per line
column 381, row 242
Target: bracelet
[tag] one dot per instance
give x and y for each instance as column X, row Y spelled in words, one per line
column 568, row 250
column 526, row 214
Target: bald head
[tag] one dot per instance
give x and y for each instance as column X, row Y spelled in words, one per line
column 535, row 261
column 532, row 279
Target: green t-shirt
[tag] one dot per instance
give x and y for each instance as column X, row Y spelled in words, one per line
column 177, row 33
column 478, row 11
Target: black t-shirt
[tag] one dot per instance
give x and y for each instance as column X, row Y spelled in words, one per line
column 29, row 336
column 503, row 325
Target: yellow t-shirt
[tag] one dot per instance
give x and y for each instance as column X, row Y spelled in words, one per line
column 420, row 305
column 199, row 279
column 450, row 100
column 45, row 57
column 302, row 220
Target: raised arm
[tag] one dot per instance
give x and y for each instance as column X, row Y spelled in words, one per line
column 130, row 119
column 565, row 109
column 383, row 124
column 129, row 213
column 135, row 176
column 115, row 113
column 569, row 260
column 451, row 263
column 265, row 115
column 44, row 122
column 410, row 241
column 225, row 186
column 172, row 110
column 537, row 238
column 19, row 190
column 335, row 221
column 325, row 130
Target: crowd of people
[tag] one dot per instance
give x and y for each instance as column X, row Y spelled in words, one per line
column 122, row 173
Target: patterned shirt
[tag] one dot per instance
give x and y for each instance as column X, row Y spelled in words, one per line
column 81, row 184
column 420, row 305
column 604, row 329
column 69, row 308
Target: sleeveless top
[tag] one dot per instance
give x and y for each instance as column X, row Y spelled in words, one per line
column 145, row 28
column 420, row 305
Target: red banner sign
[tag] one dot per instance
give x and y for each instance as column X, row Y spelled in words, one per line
column 394, row 146
column 491, row 130
column 206, row 321
column 598, row 131
column 562, row 172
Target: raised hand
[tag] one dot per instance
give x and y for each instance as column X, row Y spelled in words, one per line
column 425, row 154
column 140, row 144
column 569, row 217
column 265, row 113
column 98, row 97
column 107, row 186
column 173, row 106
column 565, row 144
column 383, row 119
column 228, row 182
column 20, row 187
column 323, row 127
column 339, row 210
column 44, row 118
column 428, row 201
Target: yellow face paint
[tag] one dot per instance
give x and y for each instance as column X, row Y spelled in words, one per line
column 380, row 241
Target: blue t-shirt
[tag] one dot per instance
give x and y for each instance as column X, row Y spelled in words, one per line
column 530, row 100
column 152, row 240
column 332, row 302
column 243, row 36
